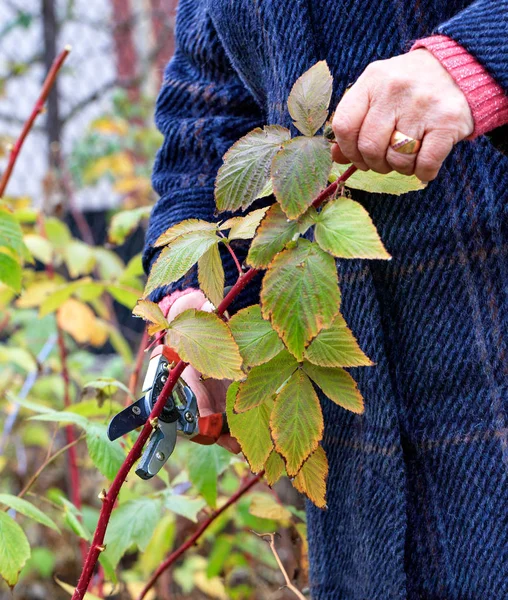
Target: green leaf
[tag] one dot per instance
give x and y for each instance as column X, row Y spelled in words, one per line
column 28, row 509
column 189, row 226
column 109, row 265
column 79, row 258
column 257, row 341
column 151, row 312
column 196, row 335
column 159, row 545
column 336, row 347
column 124, row 295
column 211, row 275
column 205, row 464
column 299, row 172
column 73, row 519
column 246, row 167
column 267, row 190
column 185, row 506
column 244, row 228
column 54, row 299
column 345, row 229
column 311, row 479
column 300, row 294
column 11, row 235
column 177, row 258
column 57, row 232
column 263, row 382
column 274, row 232
column 370, row 181
column 14, row 549
column 125, row 222
column 19, row 357
column 274, row 468
column 107, row 456
column 221, row 550
column 108, row 386
column 63, row 418
column 39, row 247
column 251, row 429
column 310, row 98
column 131, row 525
column 296, row 421
column 338, row 385
column 10, row 272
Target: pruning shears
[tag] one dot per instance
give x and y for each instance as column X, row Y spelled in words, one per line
column 180, row 416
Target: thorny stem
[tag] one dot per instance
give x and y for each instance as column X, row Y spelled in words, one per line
column 38, row 108
column 198, row 533
column 289, row 585
column 109, row 501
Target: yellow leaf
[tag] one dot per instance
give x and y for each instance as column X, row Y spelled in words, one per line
column 296, row 421
column 70, row 589
column 311, row 479
column 36, row 293
column 119, row 165
column 108, row 125
column 99, row 333
column 265, row 507
column 214, row 588
column 150, row 311
column 274, row 468
column 77, row 319
column 133, row 185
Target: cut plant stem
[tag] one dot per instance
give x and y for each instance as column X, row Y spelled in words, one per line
column 137, row 448
column 38, row 108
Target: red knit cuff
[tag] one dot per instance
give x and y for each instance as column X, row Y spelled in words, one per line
column 486, row 98
column 167, row 302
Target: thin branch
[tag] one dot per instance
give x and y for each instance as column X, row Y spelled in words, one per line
column 47, row 462
column 39, row 106
column 109, row 500
column 289, row 585
column 232, row 252
column 174, row 556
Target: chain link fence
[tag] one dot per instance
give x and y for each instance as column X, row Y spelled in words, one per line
column 120, row 48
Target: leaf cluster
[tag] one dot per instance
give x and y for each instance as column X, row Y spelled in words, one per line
column 296, row 341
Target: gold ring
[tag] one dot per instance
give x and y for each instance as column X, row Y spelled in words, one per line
column 402, row 143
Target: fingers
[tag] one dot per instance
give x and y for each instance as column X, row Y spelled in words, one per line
column 374, row 138
column 436, row 146
column 404, row 163
column 347, row 123
column 195, row 300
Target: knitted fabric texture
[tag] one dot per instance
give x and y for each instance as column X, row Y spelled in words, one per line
column 486, row 98
column 418, row 483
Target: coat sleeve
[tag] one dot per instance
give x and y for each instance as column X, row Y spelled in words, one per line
column 202, row 109
column 482, row 29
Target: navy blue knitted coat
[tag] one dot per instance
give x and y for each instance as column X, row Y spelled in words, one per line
column 417, row 493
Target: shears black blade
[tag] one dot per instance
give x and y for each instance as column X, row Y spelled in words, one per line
column 129, row 419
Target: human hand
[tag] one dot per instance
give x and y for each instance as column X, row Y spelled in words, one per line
column 210, row 393
column 412, row 93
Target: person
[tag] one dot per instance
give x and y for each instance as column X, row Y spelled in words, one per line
column 417, row 491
